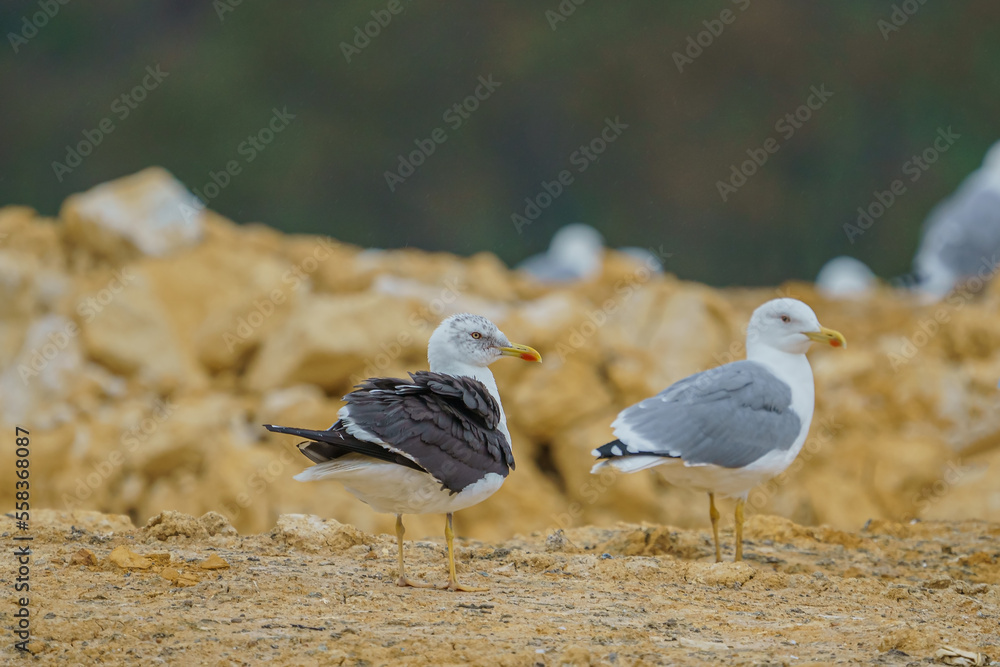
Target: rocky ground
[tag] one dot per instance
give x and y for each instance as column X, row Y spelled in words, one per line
column 311, row 592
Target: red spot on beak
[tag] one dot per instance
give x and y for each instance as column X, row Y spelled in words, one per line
column 834, row 343
column 528, row 357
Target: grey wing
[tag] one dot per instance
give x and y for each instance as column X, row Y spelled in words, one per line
column 728, row 416
column 447, row 425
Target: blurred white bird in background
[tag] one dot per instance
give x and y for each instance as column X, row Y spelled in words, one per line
column 575, row 252
column 962, row 234
column 845, row 278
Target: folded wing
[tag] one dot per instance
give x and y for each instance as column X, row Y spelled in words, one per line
column 728, row 416
column 446, row 426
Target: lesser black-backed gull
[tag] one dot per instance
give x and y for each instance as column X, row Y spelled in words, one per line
column 435, row 443
column 727, row 429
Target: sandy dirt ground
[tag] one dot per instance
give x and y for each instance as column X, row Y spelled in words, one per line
column 315, row 592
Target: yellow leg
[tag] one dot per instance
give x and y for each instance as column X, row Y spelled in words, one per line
column 714, row 514
column 739, row 530
column 453, row 584
column 403, row 581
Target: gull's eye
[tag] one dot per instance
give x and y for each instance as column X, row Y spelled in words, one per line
column 786, row 319
column 476, row 335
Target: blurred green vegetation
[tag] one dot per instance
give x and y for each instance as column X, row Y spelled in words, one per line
column 655, row 185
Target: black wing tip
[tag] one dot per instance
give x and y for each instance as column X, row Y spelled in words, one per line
column 314, row 434
column 604, row 451
column 274, row 428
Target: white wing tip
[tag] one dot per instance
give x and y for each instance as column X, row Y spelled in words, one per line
column 595, row 452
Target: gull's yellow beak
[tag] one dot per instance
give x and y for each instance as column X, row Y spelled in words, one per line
column 521, row 352
column 824, row 335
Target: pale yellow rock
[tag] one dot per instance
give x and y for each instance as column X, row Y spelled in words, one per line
column 311, row 533
column 178, row 578
column 214, row 562
column 558, row 395
column 128, row 329
column 148, row 213
column 329, row 339
column 25, row 233
column 324, row 263
column 84, row 557
column 127, row 559
column 252, row 290
column 172, row 524
column 36, row 385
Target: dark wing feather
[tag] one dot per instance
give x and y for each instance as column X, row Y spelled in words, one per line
column 447, row 424
column 444, row 425
column 335, row 442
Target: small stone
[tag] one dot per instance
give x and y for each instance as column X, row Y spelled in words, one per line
column 213, row 562
column 125, row 558
column 178, row 578
column 35, row 647
column 83, row 557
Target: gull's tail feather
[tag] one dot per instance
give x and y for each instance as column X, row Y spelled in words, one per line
column 616, row 454
column 630, row 463
column 334, row 443
column 337, row 467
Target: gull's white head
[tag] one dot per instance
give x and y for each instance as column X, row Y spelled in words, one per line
column 788, row 325
column 465, row 339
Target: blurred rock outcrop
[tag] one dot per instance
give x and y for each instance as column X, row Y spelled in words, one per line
column 143, row 350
